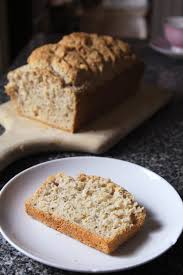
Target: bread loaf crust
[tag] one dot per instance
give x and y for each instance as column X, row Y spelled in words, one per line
column 98, row 72
column 85, row 60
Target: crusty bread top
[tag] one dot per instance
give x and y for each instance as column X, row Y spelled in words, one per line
column 95, row 203
column 79, row 61
column 81, row 58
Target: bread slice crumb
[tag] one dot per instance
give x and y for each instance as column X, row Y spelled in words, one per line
column 91, row 209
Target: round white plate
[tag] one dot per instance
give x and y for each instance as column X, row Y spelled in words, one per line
column 161, row 45
column 161, row 230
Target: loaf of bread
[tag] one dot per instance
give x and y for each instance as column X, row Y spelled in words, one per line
column 68, row 83
column 91, row 209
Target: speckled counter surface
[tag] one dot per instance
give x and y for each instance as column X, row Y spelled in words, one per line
column 157, row 145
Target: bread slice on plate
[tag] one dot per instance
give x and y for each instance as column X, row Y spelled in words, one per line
column 91, row 209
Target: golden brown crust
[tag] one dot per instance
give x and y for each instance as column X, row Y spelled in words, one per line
column 77, row 232
column 68, row 228
column 85, row 59
column 42, row 54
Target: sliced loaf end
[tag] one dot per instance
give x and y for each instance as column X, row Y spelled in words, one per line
column 39, row 94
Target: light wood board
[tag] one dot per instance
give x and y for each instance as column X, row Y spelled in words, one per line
column 24, row 136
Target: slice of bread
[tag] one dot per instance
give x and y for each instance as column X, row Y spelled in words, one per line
column 91, row 209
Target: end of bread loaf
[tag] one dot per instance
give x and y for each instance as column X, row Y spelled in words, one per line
column 91, row 209
column 41, row 95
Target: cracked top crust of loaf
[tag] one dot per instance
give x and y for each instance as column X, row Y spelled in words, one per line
column 82, row 60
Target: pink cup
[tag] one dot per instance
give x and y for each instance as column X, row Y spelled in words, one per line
column 173, row 29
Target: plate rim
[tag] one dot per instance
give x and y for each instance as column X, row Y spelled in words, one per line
column 48, row 263
column 164, row 51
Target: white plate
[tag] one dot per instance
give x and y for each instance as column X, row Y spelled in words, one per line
column 161, row 45
column 161, row 230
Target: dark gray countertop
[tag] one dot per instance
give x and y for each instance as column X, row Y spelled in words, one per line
column 157, row 145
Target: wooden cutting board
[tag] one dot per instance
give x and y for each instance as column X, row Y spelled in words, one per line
column 24, row 136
